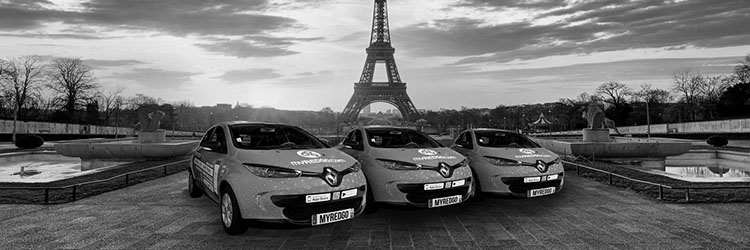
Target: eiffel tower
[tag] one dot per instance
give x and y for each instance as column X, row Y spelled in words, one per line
column 366, row 91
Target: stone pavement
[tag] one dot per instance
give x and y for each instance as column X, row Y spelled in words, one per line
column 586, row 215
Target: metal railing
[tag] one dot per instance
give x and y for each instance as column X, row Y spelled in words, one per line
column 74, row 187
column 660, row 186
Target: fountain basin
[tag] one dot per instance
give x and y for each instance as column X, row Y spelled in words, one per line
column 48, row 166
column 126, row 149
column 617, row 148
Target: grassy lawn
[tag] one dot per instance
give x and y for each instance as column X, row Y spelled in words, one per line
column 14, row 196
column 738, row 191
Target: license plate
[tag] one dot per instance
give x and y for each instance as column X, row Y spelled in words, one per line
column 541, row 191
column 330, row 217
column 445, row 201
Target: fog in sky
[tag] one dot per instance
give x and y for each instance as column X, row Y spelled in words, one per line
column 306, row 54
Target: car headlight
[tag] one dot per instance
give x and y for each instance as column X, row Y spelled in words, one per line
column 356, row 167
column 399, row 165
column 556, row 161
column 272, row 172
column 463, row 163
column 502, row 161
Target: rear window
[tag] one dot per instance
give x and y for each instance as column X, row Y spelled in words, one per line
column 265, row 136
column 399, row 138
column 501, row 139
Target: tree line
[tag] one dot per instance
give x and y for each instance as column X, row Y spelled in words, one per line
column 692, row 97
column 34, row 88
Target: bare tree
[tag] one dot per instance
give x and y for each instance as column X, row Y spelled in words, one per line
column 614, row 93
column 688, row 85
column 73, row 82
column 139, row 100
column 20, row 80
column 742, row 71
column 711, row 89
column 108, row 102
column 650, row 94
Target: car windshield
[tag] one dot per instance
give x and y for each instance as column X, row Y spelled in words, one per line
column 399, row 138
column 501, row 139
column 272, row 136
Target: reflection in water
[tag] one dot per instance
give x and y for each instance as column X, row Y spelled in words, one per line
column 707, row 172
column 707, row 168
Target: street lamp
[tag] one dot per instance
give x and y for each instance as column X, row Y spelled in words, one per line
column 648, row 122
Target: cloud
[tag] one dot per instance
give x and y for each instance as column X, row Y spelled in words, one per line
column 156, row 78
column 588, row 27
column 248, row 75
column 176, row 17
column 111, row 63
column 630, row 70
column 53, row 36
column 243, row 49
column 527, row 4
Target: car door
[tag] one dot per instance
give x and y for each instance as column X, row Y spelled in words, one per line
column 212, row 152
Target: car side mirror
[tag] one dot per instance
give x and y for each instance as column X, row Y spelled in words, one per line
column 211, row 146
column 354, row 146
column 326, row 141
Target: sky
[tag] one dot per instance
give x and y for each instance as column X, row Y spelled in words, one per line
column 307, row 54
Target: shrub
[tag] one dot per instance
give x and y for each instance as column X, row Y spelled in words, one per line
column 717, row 141
column 29, row 141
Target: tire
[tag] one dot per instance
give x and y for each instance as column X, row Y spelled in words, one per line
column 231, row 217
column 478, row 195
column 193, row 188
column 370, row 206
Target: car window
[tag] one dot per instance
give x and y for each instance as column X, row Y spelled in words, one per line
column 354, row 139
column 272, row 136
column 502, row 139
column 399, row 138
column 207, row 136
column 215, row 140
column 465, row 140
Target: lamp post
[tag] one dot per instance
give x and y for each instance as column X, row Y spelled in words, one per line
column 648, row 122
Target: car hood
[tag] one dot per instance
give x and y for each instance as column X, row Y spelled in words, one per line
column 424, row 156
column 301, row 159
column 527, row 155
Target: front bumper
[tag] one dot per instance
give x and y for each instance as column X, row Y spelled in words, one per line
column 284, row 199
column 510, row 180
column 416, row 195
column 517, row 186
column 297, row 211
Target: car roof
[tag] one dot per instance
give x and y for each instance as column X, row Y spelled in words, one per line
column 229, row 123
column 493, row 129
column 385, row 126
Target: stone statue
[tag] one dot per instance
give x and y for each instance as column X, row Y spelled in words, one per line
column 149, row 122
column 594, row 115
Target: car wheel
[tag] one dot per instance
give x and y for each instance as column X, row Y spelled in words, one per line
column 231, row 218
column 478, row 195
column 194, row 191
column 370, row 206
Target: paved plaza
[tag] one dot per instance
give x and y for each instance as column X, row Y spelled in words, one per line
column 586, row 215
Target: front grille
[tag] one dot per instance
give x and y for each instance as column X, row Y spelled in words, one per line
column 305, row 212
column 516, row 185
column 415, row 193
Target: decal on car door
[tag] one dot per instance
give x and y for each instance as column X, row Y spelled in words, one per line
column 208, row 173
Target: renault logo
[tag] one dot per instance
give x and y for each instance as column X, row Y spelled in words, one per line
column 331, row 176
column 444, row 170
column 541, row 166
